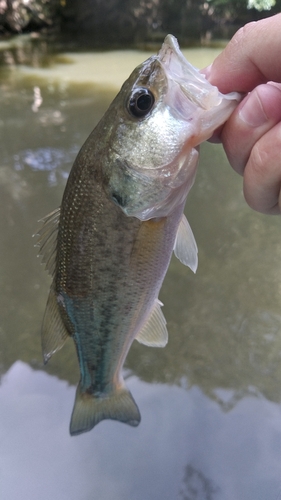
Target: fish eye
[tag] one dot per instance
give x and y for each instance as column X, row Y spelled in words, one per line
column 141, row 102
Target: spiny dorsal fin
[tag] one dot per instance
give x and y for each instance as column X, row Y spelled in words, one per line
column 89, row 409
column 47, row 240
column 54, row 333
column 185, row 247
column 154, row 332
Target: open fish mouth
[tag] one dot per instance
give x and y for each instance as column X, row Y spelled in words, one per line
column 192, row 83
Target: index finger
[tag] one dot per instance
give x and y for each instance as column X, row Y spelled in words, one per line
column 250, row 58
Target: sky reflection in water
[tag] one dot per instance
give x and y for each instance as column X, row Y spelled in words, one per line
column 184, row 444
column 210, row 401
column 47, row 159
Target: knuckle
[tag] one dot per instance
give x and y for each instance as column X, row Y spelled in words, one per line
column 262, row 176
column 243, row 34
column 257, row 162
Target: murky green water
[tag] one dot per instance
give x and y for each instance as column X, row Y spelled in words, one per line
column 211, row 400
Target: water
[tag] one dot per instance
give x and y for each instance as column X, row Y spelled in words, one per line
column 211, row 400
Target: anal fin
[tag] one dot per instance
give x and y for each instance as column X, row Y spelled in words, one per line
column 154, row 332
column 53, row 333
column 185, row 247
column 89, row 409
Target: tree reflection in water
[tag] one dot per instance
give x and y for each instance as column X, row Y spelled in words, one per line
column 197, row 486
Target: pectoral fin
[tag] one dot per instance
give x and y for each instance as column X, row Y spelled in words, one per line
column 89, row 409
column 54, row 333
column 154, row 332
column 185, row 247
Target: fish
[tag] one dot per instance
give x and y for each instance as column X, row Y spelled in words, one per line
column 109, row 245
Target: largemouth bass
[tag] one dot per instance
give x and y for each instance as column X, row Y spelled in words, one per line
column 109, row 245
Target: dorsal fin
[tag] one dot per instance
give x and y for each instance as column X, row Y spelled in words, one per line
column 185, row 247
column 47, row 240
column 154, row 332
column 54, row 333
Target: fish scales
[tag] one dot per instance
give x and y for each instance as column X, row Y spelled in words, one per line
column 109, row 245
column 107, row 276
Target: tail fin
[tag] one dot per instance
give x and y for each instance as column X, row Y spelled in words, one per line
column 89, row 410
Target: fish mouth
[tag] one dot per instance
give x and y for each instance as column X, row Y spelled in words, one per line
column 192, row 83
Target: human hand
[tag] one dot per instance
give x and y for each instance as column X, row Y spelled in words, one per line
column 251, row 63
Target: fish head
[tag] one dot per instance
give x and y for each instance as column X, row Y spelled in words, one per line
column 162, row 113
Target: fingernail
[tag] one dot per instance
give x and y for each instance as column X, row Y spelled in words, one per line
column 206, row 71
column 252, row 112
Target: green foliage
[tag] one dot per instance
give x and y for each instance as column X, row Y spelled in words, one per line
column 133, row 22
column 261, row 4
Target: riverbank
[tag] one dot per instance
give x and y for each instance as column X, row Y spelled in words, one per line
column 109, row 68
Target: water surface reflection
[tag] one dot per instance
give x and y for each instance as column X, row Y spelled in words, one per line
column 185, row 447
column 210, row 401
